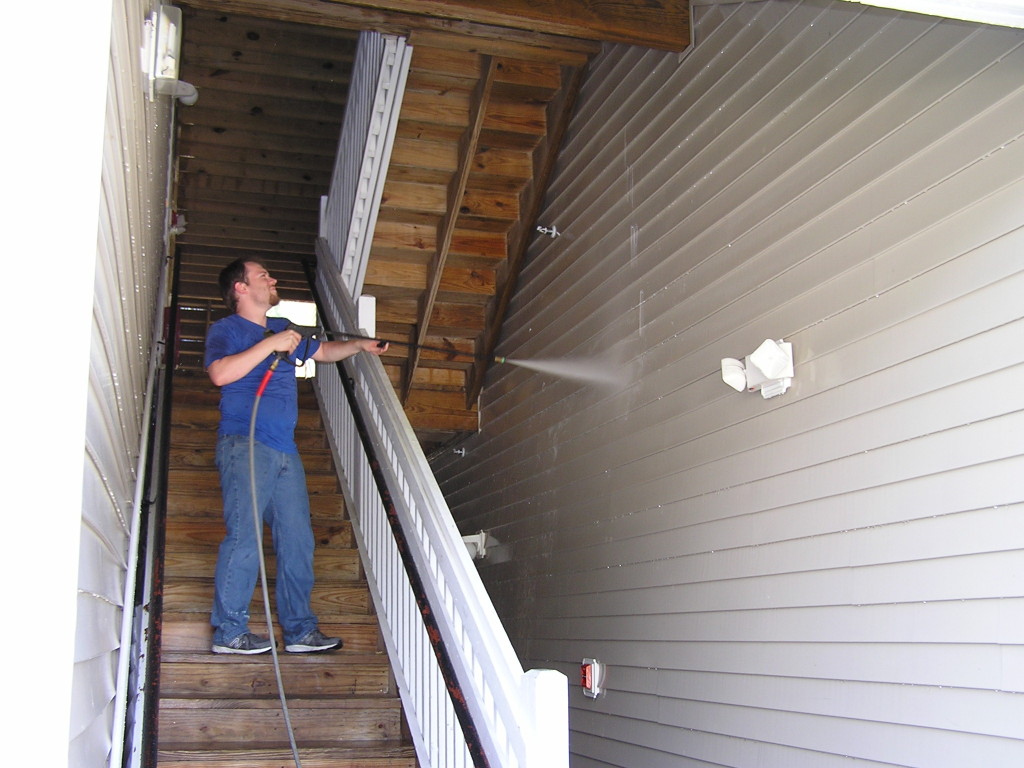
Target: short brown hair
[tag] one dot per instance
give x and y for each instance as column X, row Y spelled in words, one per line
column 231, row 274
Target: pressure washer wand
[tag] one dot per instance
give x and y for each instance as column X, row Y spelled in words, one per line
column 307, row 331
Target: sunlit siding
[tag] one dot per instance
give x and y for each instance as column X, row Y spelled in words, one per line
column 129, row 261
column 833, row 577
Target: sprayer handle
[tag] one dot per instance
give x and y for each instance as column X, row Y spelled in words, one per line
column 305, row 331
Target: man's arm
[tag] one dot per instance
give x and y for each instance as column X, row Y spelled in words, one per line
column 333, row 351
column 231, row 368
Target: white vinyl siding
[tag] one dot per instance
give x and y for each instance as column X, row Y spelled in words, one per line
column 834, row 576
column 130, row 258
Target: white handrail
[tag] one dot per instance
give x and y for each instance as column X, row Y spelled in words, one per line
column 520, row 719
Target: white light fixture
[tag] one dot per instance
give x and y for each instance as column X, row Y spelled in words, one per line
column 768, row 369
column 476, row 544
column 160, row 54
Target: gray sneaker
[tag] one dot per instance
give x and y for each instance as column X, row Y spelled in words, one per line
column 246, row 643
column 313, row 641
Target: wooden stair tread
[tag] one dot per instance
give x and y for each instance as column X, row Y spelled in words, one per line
column 328, row 676
column 248, row 722
column 382, row 754
column 208, row 532
column 197, row 594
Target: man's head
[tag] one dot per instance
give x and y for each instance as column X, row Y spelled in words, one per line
column 253, row 279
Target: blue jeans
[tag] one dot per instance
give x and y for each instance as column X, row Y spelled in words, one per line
column 283, row 503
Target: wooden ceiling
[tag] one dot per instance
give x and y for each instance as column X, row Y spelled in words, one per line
column 489, row 93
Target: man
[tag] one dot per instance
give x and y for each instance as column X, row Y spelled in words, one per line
column 239, row 351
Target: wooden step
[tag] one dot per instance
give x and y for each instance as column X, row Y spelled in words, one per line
column 204, row 417
column 203, row 392
column 328, row 564
column 211, row 675
column 190, row 632
column 184, row 502
column 206, row 481
column 208, row 532
column 201, row 457
column 382, row 754
column 206, row 437
column 196, row 595
column 245, row 723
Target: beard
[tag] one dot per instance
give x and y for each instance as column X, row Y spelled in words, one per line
column 274, row 298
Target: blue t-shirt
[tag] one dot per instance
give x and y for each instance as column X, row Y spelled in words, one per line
column 279, row 408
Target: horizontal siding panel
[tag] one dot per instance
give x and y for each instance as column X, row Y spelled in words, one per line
column 957, row 622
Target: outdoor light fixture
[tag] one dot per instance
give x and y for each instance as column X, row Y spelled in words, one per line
column 769, row 368
column 160, row 54
column 476, row 544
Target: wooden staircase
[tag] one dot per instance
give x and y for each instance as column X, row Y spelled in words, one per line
column 223, row 711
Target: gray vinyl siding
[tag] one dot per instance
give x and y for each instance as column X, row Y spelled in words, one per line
column 834, row 576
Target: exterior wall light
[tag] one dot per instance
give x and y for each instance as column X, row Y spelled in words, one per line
column 768, row 369
column 161, row 51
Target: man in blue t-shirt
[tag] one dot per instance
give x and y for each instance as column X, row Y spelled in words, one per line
column 239, row 351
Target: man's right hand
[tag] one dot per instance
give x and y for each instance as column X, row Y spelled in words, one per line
column 286, row 341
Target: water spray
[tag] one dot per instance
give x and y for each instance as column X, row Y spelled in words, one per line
column 598, row 371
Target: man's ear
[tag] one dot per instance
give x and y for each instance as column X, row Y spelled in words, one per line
column 241, row 287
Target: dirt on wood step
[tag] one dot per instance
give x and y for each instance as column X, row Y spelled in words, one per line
column 338, row 565
column 382, row 754
column 312, row 675
column 197, row 595
column 207, row 533
column 237, row 723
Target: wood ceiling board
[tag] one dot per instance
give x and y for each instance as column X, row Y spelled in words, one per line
column 256, row 186
column 320, row 179
column 248, row 31
column 286, row 208
column 366, row 16
column 210, row 139
column 274, row 160
column 282, row 127
column 270, row 106
column 332, row 90
column 243, row 218
column 653, row 23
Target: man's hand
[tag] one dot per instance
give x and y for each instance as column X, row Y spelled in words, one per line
column 286, row 341
column 333, row 351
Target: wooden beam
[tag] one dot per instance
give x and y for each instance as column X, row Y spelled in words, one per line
column 653, row 23
column 509, row 38
column 456, row 190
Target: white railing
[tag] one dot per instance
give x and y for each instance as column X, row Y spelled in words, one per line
column 349, row 212
column 520, row 719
